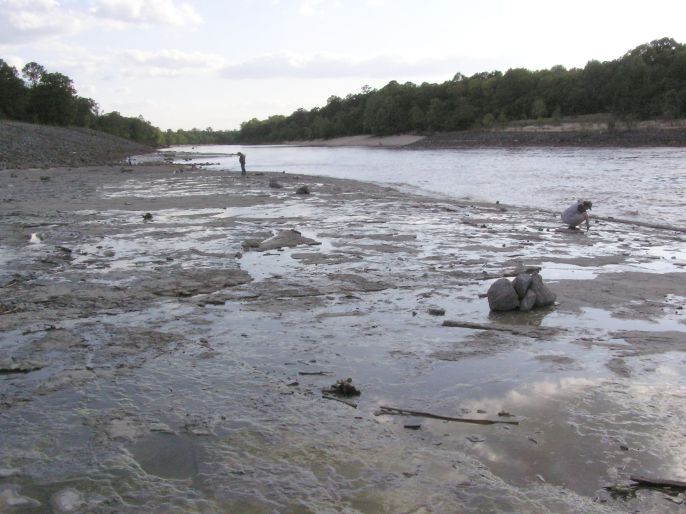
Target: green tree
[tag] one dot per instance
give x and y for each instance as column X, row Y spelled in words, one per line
column 33, row 73
column 52, row 100
column 13, row 94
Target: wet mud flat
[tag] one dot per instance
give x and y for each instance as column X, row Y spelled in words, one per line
column 175, row 362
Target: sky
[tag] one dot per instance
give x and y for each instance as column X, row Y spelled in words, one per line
column 185, row 64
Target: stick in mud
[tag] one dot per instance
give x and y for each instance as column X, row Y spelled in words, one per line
column 406, row 412
column 479, row 326
column 314, row 372
column 658, row 482
column 342, row 400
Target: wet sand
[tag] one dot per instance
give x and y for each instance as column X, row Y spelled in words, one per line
column 176, row 364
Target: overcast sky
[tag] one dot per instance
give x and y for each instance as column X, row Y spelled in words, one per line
column 202, row 63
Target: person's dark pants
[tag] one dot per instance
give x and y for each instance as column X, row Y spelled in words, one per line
column 242, row 168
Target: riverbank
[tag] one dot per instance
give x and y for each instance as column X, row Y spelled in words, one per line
column 628, row 138
column 167, row 335
column 27, row 145
column 588, row 131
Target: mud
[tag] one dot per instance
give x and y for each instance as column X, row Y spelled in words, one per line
column 168, row 366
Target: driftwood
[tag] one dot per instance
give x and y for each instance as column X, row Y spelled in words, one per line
column 314, row 372
column 406, row 412
column 658, row 482
column 655, row 226
column 350, row 403
column 529, row 332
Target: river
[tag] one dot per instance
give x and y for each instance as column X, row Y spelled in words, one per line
column 646, row 184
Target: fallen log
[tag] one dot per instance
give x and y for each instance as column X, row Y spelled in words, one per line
column 406, row 412
column 658, row 482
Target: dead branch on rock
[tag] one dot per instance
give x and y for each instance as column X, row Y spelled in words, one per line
column 406, row 412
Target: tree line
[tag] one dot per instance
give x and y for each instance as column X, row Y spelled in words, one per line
column 648, row 82
column 36, row 95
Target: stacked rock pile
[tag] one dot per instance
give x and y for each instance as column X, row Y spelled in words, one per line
column 525, row 292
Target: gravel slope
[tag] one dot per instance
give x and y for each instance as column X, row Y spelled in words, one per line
column 24, row 145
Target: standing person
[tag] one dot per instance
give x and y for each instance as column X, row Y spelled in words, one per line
column 241, row 159
column 577, row 213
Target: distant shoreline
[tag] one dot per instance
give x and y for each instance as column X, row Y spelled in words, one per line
column 527, row 136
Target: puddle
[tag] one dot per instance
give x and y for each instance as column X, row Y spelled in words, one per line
column 557, row 271
column 603, row 321
column 167, row 455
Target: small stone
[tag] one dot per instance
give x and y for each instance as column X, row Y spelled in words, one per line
column 521, row 284
column 67, row 500
column 502, row 296
column 544, row 296
column 528, row 302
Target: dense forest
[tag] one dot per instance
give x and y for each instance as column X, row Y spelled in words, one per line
column 648, row 82
column 39, row 96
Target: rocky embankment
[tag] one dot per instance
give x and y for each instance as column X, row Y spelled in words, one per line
column 24, row 145
column 585, row 138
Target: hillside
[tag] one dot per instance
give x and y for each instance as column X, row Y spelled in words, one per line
column 24, row 145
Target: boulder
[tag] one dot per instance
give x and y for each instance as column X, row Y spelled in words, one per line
column 303, row 190
column 521, row 284
column 502, row 296
column 544, row 296
column 528, row 302
column 275, row 183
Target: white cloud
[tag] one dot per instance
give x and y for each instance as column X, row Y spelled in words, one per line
column 284, row 65
column 167, row 63
column 310, row 7
column 28, row 20
column 146, row 12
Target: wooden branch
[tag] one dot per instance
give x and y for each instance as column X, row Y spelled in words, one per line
column 658, row 482
column 532, row 332
column 342, row 400
column 406, row 412
column 314, row 372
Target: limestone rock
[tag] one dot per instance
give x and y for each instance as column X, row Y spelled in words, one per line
column 502, row 296
column 528, row 302
column 544, row 296
column 521, row 284
column 285, row 238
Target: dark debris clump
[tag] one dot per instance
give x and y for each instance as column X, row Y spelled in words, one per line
column 343, row 388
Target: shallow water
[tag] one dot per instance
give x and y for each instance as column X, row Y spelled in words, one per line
column 198, row 402
column 646, row 184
